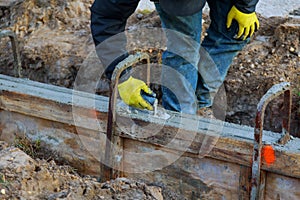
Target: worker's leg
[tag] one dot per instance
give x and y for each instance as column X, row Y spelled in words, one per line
column 108, row 18
column 179, row 70
column 218, row 49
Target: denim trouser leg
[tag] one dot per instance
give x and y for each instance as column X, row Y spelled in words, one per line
column 218, row 49
column 179, row 71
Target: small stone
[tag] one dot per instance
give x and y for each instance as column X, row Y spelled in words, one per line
column 155, row 192
column 3, row 191
column 273, row 51
column 248, row 74
column 139, row 16
column 125, row 187
column 292, row 49
column 19, row 169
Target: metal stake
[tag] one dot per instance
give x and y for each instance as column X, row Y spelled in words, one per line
column 15, row 48
column 110, row 171
column 271, row 94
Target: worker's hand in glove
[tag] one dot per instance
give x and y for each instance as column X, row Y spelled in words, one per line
column 248, row 23
column 130, row 92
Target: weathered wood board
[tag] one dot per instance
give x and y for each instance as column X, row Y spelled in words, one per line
column 60, row 140
column 195, row 178
column 74, row 123
column 282, row 187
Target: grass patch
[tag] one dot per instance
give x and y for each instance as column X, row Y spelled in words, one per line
column 29, row 147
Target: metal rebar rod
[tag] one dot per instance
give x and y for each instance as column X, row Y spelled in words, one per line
column 16, row 51
column 272, row 93
column 130, row 61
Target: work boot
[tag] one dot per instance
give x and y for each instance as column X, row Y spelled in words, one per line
column 206, row 112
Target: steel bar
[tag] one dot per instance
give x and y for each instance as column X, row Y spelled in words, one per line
column 287, row 111
column 130, row 61
column 15, row 48
column 272, row 93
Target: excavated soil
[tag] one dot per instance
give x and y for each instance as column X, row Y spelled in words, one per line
column 22, row 177
column 55, row 40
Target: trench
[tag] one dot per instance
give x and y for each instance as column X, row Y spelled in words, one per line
column 55, row 45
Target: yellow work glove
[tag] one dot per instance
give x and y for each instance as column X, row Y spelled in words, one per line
column 130, row 92
column 248, row 23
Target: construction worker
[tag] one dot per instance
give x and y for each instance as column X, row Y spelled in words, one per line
column 199, row 69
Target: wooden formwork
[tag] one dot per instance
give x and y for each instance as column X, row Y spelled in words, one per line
column 197, row 157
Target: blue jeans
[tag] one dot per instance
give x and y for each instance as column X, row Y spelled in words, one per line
column 192, row 73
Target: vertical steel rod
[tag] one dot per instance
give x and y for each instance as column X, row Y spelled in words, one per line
column 271, row 94
column 16, row 51
column 130, row 61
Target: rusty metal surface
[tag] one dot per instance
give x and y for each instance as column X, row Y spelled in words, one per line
column 15, row 48
column 287, row 111
column 272, row 93
column 130, row 61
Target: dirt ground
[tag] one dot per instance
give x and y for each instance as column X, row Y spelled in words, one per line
column 22, row 177
column 55, row 40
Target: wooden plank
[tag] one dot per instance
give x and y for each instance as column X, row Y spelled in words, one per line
column 262, row 188
column 181, row 133
column 282, row 187
column 228, row 148
column 194, row 178
column 54, row 93
column 81, row 148
column 244, row 182
column 53, row 103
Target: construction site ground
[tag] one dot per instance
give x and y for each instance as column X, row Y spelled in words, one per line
column 55, row 40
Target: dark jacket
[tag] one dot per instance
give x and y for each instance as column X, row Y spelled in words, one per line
column 246, row 6
column 109, row 16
